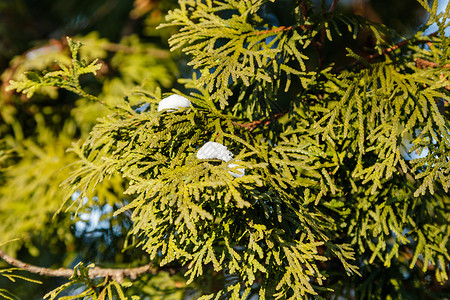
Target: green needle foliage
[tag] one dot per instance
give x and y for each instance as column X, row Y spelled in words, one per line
column 331, row 203
column 12, row 277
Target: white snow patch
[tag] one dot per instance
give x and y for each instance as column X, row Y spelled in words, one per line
column 173, row 102
column 240, row 171
column 213, row 150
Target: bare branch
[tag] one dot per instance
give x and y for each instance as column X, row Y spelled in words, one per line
column 423, row 64
column 385, row 52
column 333, row 6
column 252, row 125
column 117, row 274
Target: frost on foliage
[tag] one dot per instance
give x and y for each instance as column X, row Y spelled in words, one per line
column 173, row 102
column 213, row 150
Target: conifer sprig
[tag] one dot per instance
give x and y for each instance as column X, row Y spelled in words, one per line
column 66, row 78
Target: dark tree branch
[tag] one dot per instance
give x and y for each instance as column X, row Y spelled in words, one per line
column 252, row 125
column 333, row 6
column 399, row 45
column 283, row 28
column 423, row 64
column 385, row 52
column 117, row 274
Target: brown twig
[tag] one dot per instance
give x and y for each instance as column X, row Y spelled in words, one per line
column 423, row 64
column 390, row 49
column 333, row 6
column 284, row 28
column 401, row 44
column 385, row 52
column 304, row 8
column 252, row 125
column 117, row 274
column 319, row 47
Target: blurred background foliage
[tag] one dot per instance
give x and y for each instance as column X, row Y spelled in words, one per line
column 35, row 133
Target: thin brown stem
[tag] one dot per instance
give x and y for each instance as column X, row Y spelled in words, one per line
column 252, row 125
column 399, row 45
column 423, row 64
column 385, row 52
column 117, row 274
column 333, row 6
column 304, row 8
column 319, row 47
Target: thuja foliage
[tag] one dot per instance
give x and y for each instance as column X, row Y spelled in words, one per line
column 12, row 276
column 331, row 202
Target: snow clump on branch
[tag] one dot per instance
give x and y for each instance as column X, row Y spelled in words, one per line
column 173, row 102
column 213, row 150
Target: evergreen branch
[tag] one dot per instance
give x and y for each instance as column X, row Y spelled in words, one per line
column 117, row 274
column 328, row 183
column 67, row 77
